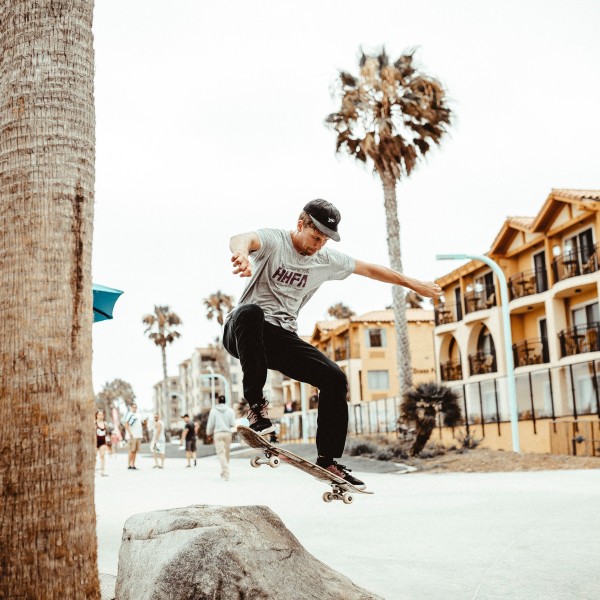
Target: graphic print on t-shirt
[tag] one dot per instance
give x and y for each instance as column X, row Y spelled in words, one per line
column 297, row 278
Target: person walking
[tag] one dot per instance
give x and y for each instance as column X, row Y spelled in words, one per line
column 188, row 437
column 221, row 425
column 285, row 269
column 158, row 443
column 135, row 433
column 101, row 440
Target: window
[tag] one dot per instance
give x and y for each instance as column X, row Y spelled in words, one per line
column 234, row 378
column 378, row 380
column 586, row 315
column 376, row 338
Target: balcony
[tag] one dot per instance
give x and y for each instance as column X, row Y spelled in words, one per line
column 445, row 313
column 573, row 264
column 482, row 300
column 480, row 363
column 451, row 370
column 526, row 283
column 531, row 352
column 579, row 339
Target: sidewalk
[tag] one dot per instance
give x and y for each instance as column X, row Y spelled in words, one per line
column 488, row 536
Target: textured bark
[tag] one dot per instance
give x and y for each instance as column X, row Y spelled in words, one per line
column 399, row 299
column 47, row 447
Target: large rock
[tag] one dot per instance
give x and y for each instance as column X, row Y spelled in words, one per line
column 222, row 553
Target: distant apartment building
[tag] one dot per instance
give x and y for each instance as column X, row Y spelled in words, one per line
column 364, row 347
column 551, row 263
column 191, row 391
column 171, row 412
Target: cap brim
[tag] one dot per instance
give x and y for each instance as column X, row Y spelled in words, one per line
column 334, row 235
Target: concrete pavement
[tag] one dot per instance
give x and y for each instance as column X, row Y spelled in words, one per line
column 463, row 536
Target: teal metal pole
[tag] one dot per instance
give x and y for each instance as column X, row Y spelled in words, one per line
column 507, row 331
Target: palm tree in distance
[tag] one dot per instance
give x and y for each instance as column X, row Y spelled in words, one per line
column 111, row 393
column 217, row 305
column 391, row 115
column 160, row 329
column 340, row 311
column 424, row 405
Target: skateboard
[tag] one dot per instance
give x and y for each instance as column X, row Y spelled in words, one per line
column 273, row 455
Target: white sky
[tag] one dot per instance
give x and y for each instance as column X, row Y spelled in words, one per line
column 210, row 123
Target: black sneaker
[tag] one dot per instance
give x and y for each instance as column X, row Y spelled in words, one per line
column 259, row 421
column 341, row 471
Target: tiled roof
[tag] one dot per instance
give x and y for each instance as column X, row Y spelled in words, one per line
column 412, row 314
column 521, row 222
column 577, row 194
column 329, row 325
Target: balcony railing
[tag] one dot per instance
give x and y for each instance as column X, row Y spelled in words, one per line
column 580, row 339
column 451, row 370
column 526, row 283
column 573, row 264
column 445, row 313
column 480, row 363
column 531, row 352
column 475, row 301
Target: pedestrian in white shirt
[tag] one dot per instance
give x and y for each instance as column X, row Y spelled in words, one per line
column 133, row 426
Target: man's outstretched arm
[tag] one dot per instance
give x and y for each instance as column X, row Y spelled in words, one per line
column 428, row 289
column 241, row 245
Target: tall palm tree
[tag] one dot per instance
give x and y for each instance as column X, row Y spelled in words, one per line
column 391, row 115
column 160, row 329
column 340, row 311
column 48, row 544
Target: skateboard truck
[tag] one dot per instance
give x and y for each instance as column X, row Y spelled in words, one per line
column 337, row 490
column 338, row 493
column 267, row 459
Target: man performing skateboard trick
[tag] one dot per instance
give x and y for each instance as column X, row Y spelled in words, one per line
column 285, row 269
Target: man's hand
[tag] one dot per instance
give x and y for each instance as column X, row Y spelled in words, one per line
column 242, row 264
column 427, row 289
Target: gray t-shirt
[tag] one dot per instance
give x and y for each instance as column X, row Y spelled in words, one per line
column 283, row 280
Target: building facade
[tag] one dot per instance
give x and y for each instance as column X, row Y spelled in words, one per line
column 364, row 347
column 551, row 264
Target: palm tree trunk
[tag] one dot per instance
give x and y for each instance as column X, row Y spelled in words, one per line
column 399, row 300
column 48, row 545
column 166, row 400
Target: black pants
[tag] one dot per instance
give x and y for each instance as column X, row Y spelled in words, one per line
column 260, row 346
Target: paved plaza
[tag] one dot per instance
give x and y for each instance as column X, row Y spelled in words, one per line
column 461, row 536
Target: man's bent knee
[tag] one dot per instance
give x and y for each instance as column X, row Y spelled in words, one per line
column 249, row 313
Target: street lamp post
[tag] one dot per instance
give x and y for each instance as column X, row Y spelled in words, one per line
column 510, row 364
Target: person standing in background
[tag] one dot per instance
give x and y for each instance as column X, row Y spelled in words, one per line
column 221, row 424
column 188, row 437
column 101, row 439
column 158, row 443
column 135, row 433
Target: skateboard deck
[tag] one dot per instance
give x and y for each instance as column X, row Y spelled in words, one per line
column 272, row 455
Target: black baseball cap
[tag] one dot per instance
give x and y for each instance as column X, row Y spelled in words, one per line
column 325, row 216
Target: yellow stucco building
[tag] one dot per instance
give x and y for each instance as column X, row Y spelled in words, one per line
column 551, row 263
column 364, row 346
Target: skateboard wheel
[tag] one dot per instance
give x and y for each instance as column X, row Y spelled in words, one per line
column 255, row 462
column 274, row 462
column 327, row 497
column 348, row 498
